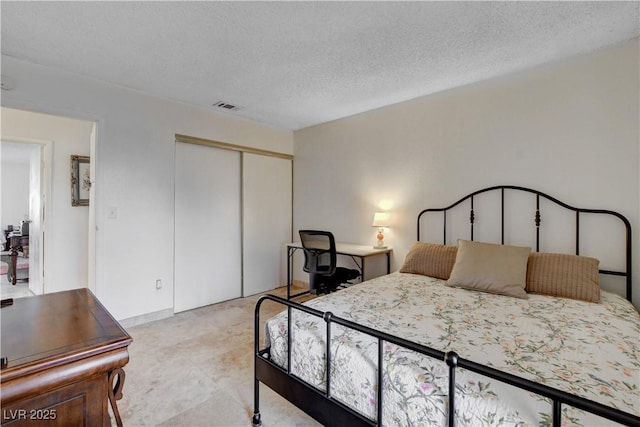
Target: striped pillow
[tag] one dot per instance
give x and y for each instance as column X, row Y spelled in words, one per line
column 430, row 259
column 563, row 275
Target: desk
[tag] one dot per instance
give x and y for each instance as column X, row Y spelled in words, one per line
column 63, row 354
column 17, row 243
column 355, row 252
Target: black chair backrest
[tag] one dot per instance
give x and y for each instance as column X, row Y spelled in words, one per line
column 319, row 251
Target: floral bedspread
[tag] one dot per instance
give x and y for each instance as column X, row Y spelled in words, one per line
column 591, row 350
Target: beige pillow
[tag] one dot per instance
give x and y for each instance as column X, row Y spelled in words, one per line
column 489, row 267
column 564, row 275
column 430, row 259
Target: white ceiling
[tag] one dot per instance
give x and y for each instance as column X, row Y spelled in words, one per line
column 296, row 64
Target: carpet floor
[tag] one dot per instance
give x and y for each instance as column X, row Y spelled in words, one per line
column 19, row 290
column 196, row 369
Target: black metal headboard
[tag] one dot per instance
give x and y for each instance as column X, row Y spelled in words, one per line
column 537, row 220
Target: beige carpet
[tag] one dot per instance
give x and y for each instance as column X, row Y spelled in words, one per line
column 196, row 369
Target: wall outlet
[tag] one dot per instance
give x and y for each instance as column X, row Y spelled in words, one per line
column 159, row 284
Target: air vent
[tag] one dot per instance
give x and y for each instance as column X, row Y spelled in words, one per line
column 225, row 106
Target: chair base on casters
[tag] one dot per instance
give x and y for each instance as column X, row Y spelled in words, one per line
column 323, row 289
column 321, row 284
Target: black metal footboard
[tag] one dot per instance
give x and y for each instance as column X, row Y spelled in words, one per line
column 320, row 405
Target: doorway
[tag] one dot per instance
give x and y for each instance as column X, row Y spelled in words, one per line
column 25, row 182
column 61, row 244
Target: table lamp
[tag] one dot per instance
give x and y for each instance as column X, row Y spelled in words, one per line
column 380, row 220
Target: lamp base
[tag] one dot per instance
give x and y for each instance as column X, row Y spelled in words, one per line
column 380, row 244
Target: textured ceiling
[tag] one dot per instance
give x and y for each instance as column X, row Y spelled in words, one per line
column 296, row 64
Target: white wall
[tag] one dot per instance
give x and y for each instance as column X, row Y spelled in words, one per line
column 569, row 129
column 134, row 173
column 66, row 264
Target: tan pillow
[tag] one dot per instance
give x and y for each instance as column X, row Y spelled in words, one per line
column 489, row 267
column 564, row 275
column 430, row 259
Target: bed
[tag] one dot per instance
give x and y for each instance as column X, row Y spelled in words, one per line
column 456, row 352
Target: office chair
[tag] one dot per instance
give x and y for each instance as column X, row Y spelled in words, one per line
column 320, row 262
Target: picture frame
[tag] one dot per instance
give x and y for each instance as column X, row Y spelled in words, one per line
column 80, row 180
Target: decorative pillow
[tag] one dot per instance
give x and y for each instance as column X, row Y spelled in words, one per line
column 430, row 259
column 564, row 275
column 492, row 268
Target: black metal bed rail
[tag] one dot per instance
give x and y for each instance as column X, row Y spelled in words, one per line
column 537, row 222
column 453, row 361
column 317, row 403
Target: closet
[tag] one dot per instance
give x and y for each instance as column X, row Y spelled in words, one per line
column 233, row 217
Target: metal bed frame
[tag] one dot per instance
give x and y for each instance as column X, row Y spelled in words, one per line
column 320, row 404
column 538, row 220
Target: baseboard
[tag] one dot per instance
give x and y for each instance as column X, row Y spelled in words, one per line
column 146, row 318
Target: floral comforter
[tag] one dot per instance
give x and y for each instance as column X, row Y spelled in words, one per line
column 591, row 350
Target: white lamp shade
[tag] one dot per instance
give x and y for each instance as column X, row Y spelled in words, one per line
column 381, row 219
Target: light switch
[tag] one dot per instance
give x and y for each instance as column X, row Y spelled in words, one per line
column 112, row 213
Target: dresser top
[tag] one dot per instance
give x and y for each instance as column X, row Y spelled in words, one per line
column 47, row 330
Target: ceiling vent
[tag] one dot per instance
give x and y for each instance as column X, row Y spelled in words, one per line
column 225, row 106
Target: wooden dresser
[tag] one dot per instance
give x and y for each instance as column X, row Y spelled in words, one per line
column 64, row 358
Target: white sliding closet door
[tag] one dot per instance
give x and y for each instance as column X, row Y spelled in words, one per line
column 266, row 221
column 208, row 258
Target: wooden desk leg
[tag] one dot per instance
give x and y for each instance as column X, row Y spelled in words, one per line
column 13, row 266
column 115, row 392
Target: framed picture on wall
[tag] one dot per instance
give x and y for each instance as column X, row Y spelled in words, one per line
column 80, row 180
